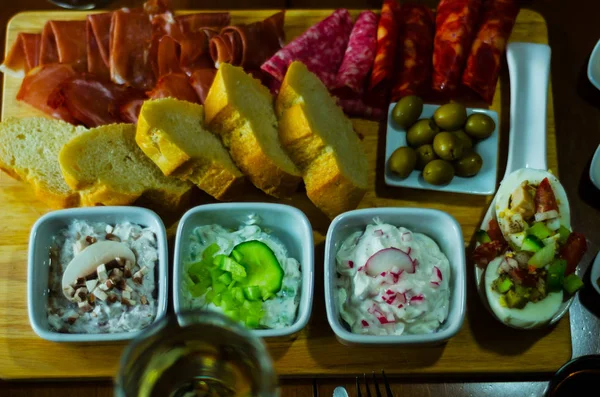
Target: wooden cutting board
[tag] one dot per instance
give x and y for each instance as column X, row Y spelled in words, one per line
column 483, row 346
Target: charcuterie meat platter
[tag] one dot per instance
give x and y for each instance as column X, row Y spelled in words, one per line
column 482, row 346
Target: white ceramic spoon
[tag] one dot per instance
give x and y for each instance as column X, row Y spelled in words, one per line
column 529, row 70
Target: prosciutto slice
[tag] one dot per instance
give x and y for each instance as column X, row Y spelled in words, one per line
column 93, row 102
column 175, row 85
column 40, row 83
column 130, row 42
column 201, row 81
column 249, row 46
column 64, row 42
column 24, row 54
column 321, row 48
column 98, row 43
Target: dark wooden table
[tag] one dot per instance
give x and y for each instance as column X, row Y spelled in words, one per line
column 573, row 31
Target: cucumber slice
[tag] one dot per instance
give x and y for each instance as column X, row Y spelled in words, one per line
column 572, row 284
column 542, row 257
column 532, row 244
column 252, row 293
column 556, row 275
column 482, row 236
column 262, row 267
column 539, row 230
column 564, row 234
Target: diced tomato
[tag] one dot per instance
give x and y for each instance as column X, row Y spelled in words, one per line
column 573, row 251
column 544, row 197
column 522, row 277
column 485, row 253
column 494, row 231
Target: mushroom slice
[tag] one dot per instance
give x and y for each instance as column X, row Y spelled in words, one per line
column 87, row 261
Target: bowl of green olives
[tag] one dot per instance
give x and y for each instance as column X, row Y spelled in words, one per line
column 441, row 147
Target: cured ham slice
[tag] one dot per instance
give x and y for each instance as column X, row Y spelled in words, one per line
column 485, row 59
column 175, row 85
column 387, row 36
column 130, row 42
column 417, row 27
column 40, row 83
column 24, row 54
column 455, row 23
column 130, row 111
column 360, row 53
column 64, row 42
column 201, row 81
column 321, row 48
column 93, row 102
column 98, row 43
column 200, row 21
column 249, row 45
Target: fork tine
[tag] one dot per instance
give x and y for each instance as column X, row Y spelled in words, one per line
column 388, row 390
column 367, row 385
column 358, row 393
column 377, row 391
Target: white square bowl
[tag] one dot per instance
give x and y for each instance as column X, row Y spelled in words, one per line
column 593, row 69
column 291, row 227
column 483, row 183
column 438, row 225
column 40, row 241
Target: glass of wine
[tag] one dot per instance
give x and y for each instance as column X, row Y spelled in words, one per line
column 196, row 354
column 80, row 4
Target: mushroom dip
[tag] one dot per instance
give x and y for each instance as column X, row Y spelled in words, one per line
column 102, row 278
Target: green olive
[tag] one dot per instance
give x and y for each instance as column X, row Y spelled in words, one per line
column 480, row 126
column 407, row 111
column 421, row 133
column 403, row 161
column 466, row 140
column 438, row 172
column 425, row 154
column 450, row 116
column 468, row 165
column 448, row 146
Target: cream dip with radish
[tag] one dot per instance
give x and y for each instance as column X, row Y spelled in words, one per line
column 392, row 281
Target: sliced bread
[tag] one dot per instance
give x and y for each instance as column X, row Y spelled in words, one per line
column 29, row 152
column 321, row 141
column 171, row 133
column 108, row 168
column 240, row 110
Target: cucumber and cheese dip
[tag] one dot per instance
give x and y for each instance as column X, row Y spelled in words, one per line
column 245, row 274
column 392, row 281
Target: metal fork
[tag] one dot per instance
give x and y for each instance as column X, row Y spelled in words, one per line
column 388, row 391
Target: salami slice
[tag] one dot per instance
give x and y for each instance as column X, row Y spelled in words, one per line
column 387, row 37
column 64, row 42
column 360, row 53
column 414, row 54
column 24, row 54
column 321, row 48
column 456, row 22
column 483, row 64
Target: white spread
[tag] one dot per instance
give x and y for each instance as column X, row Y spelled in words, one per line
column 66, row 316
column 394, row 302
column 280, row 310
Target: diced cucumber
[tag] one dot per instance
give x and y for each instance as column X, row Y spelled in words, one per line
column 228, row 302
column 252, row 321
column 572, row 284
column 236, row 256
column 265, row 293
column 553, row 224
column 252, row 293
column 233, row 314
column 198, row 269
column 209, row 252
column 198, row 289
column 517, row 239
column 215, row 274
column 218, row 287
column 539, row 230
column 261, row 265
column 218, row 260
column 238, row 294
column 542, row 257
column 504, row 285
column 532, row 244
column 482, row 236
column 216, row 300
column 556, row 275
column 225, row 278
column 564, row 234
column 551, row 240
column 238, row 272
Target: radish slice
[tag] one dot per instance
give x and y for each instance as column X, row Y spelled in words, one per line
column 406, row 237
column 387, row 258
column 436, row 277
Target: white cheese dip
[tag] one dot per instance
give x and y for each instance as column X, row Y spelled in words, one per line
column 280, row 310
column 65, row 316
column 396, row 301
